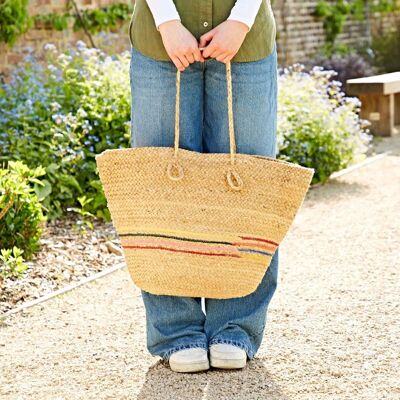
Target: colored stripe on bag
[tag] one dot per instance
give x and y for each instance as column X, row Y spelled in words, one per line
column 262, row 240
column 173, row 237
column 195, row 246
column 257, row 251
column 181, row 251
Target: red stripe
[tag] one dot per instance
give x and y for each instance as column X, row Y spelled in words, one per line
column 262, row 240
column 182, row 251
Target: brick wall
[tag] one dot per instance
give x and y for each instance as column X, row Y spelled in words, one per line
column 38, row 36
column 300, row 35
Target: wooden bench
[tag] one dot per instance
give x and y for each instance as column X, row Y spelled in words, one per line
column 380, row 98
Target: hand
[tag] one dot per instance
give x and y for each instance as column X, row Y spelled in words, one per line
column 226, row 39
column 181, row 46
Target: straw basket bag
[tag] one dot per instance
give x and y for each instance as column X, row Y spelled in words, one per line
column 200, row 224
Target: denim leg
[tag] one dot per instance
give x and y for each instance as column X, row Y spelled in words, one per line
column 241, row 321
column 254, row 92
column 172, row 322
column 153, row 91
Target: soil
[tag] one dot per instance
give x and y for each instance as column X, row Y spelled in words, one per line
column 69, row 252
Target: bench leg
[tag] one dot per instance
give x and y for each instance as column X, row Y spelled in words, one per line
column 380, row 111
column 397, row 109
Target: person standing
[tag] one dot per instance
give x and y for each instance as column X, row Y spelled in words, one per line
column 198, row 38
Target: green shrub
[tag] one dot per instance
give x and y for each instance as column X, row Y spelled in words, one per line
column 21, row 214
column 11, row 263
column 14, row 20
column 387, row 50
column 61, row 115
column 101, row 19
column 52, row 20
column 318, row 126
column 334, row 15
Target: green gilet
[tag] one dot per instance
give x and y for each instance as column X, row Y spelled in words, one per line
column 258, row 43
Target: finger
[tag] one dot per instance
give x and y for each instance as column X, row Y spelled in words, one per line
column 206, row 37
column 227, row 58
column 215, row 53
column 177, row 63
column 190, row 57
column 222, row 56
column 183, row 60
column 199, row 54
column 209, row 49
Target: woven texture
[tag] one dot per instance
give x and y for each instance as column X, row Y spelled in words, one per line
column 200, row 224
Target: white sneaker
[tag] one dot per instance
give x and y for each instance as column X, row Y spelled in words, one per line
column 227, row 356
column 189, row 360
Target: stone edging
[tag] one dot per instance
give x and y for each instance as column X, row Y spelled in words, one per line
column 65, row 289
column 363, row 163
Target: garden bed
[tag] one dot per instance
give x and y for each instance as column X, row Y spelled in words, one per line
column 66, row 256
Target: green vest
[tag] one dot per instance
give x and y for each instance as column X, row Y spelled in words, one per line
column 258, row 43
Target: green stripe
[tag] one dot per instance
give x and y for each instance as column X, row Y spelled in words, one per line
column 174, row 237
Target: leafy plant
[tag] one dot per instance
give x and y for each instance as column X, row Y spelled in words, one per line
column 14, row 20
column 53, row 20
column 386, row 50
column 103, row 18
column 12, row 263
column 84, row 213
column 60, row 115
column 335, row 14
column 21, row 214
column 318, row 126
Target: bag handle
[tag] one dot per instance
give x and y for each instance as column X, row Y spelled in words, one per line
column 233, row 178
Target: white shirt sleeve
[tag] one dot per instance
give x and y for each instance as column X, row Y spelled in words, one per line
column 244, row 11
column 163, row 11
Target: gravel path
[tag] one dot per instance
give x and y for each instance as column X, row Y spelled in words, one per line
column 333, row 330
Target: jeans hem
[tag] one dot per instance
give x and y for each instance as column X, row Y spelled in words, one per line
column 167, row 354
column 243, row 346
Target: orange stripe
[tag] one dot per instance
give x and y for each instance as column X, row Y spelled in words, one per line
column 182, row 251
column 179, row 244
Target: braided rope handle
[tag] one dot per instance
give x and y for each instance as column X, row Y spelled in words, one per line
column 233, row 178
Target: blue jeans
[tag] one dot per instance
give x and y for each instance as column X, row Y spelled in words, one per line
column 176, row 322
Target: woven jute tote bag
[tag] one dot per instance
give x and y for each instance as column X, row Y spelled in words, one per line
column 200, row 224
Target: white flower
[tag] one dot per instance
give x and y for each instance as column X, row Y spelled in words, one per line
column 50, row 47
column 55, row 106
column 81, row 113
column 80, row 44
